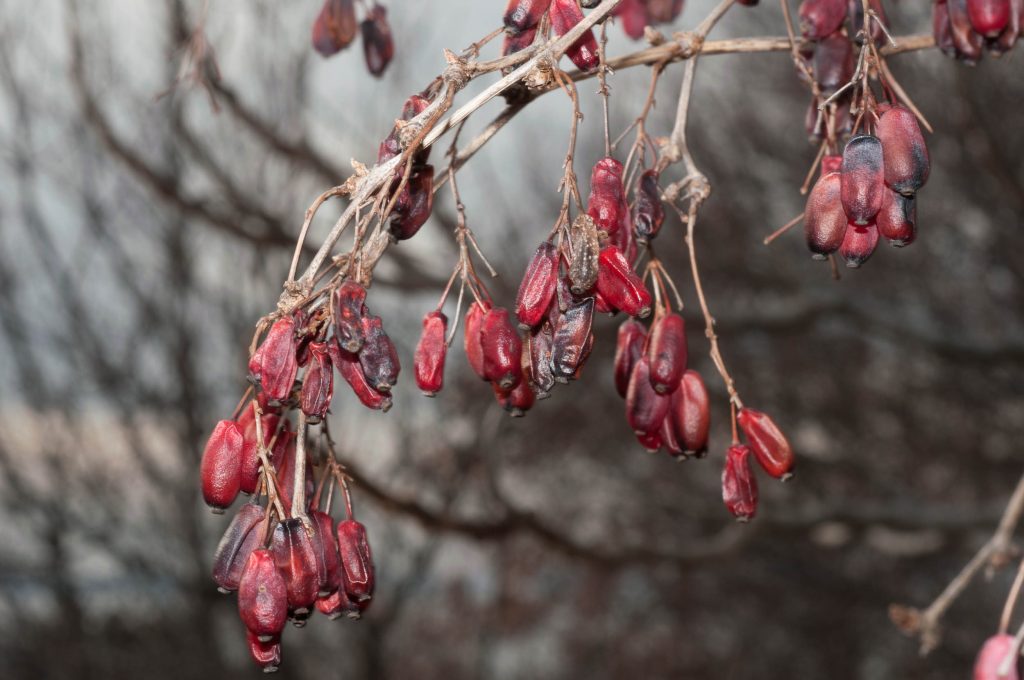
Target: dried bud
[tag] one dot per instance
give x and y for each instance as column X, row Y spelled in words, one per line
column 378, row 358
column 522, row 15
column 356, row 560
column 325, row 543
column 645, row 408
column 739, row 486
column 267, row 655
column 619, row 285
column 897, row 218
column 335, row 27
column 349, row 368
column 824, row 217
column 349, row 301
column 904, row 151
column 821, row 18
column 585, row 250
column 274, row 363
column 502, row 349
column 378, row 46
column 413, row 208
column 317, row 383
column 690, row 413
column 989, row 17
column 471, row 339
column 862, row 179
column 648, row 213
column 564, row 15
column 991, row 657
column 769, row 444
column 241, row 537
column 541, row 372
column 570, row 340
column 629, row 347
column 295, row 557
column 858, row 244
column 538, row 286
column 221, row 467
column 607, row 204
column 431, row 350
column 666, row 351
column 262, row 596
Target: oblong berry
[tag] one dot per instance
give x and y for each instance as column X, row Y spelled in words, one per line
column 967, row 42
column 739, row 485
column 663, row 11
column 633, row 15
column 896, row 220
column 474, row 324
column 521, row 15
column 607, row 203
column 378, row 357
column 431, row 350
column 221, row 468
column 833, row 62
column 541, row 340
column 648, row 213
column 378, row 45
column 571, row 336
column 989, row 17
column 335, row 27
column 991, row 656
column 859, row 243
column 250, row 452
column 413, row 209
column 262, row 596
column 821, row 18
column 564, row 15
column 502, row 349
column 629, row 347
column 904, row 152
column 645, row 408
column 855, row 15
column 586, row 247
column 770, row 446
column 666, row 350
column 350, row 369
column 690, row 411
column 337, row 604
column 862, row 179
column 295, row 557
column 537, row 288
column 267, row 655
column 620, row 286
column 518, row 400
column 515, row 42
column 357, row 573
column 243, row 535
column 348, row 303
column 824, row 217
column 274, row 364
column 317, row 383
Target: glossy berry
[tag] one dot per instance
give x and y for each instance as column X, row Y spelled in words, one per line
column 904, row 151
column 831, row 163
column 648, row 213
column 821, row 18
column 335, row 27
column 824, row 217
column 502, row 349
column 620, row 286
column 991, row 657
column 274, row 365
column 518, row 400
column 472, row 328
column 317, row 383
column 564, row 15
column 607, row 204
column 357, row 575
column 669, row 439
column 571, row 336
column 739, row 486
column 221, row 468
column 538, row 286
column 350, row 369
column 378, row 45
column 967, row 42
column 862, row 179
column 336, row 605
column 250, row 452
column 267, row 655
column 666, row 350
column 542, row 375
column 989, row 17
column 645, row 408
column 431, row 350
column 897, row 218
column 858, row 244
column 690, row 412
column 243, row 535
column 295, row 557
column 262, row 596
column 770, row 446
column 413, row 208
column 629, row 347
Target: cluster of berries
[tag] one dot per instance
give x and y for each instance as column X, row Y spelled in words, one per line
column 522, row 19
column 336, row 26
column 415, row 201
column 966, row 28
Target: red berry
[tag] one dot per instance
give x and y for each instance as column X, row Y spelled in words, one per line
column 824, row 217
column 537, row 288
column 862, row 179
column 413, row 208
column 262, row 596
column 471, row 338
column 295, row 557
column 502, row 349
column 739, row 486
column 690, row 412
column 378, row 357
column 619, row 285
column 904, row 150
column 666, row 350
column 831, row 163
column 858, row 244
column 349, row 368
column 571, row 336
column 267, row 655
column 896, row 220
column 629, row 347
column 317, row 383
column 356, row 561
column 989, row 17
column 250, row 452
column 648, row 213
column 335, row 27
column 242, row 536
column 821, row 18
column 664, row 11
column 336, row 604
column 515, row 42
column 770, row 446
column 378, row 45
column 431, row 350
column 991, row 657
column 521, row 15
column 607, row 204
column 221, row 467
column 325, row 545
column 274, row 362
column 633, row 15
column 650, row 440
column 518, row 400
column 967, row 42
column 349, row 301
column 833, row 62
column 564, row 15
column 645, row 408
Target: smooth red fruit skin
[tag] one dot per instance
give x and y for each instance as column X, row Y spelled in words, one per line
column 564, row 15
column 250, row 453
column 349, row 299
column 378, row 357
column 896, row 220
column 824, row 217
column 664, row 11
column 904, row 152
column 648, row 213
column 541, row 373
column 515, row 42
column 651, row 441
column 989, row 17
column 267, row 655
column 357, row 575
column 317, row 383
column 690, row 411
column 335, row 27
column 538, row 286
column 413, row 212
column 629, row 347
column 862, row 179
column 240, row 538
column 770, row 446
column 221, row 467
column 633, row 16
column 619, row 285
column 968, row 42
column 521, row 15
column 607, row 201
column 571, row 336
column 991, row 657
column 295, row 557
column 821, row 18
column 645, row 408
column 942, row 31
column 831, row 163
column 669, row 440
column 739, row 485
column 337, row 604
column 274, row 362
column 349, row 368
column 471, row 339
column 378, row 45
column 431, row 350
column 833, row 62
column 262, row 596
column 858, row 244
column 502, row 349
column 666, row 350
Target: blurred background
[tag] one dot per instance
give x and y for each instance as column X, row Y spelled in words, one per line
column 144, row 228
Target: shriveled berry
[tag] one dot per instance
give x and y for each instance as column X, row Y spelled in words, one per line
column 431, row 350
column 897, row 218
column 669, row 439
column 516, row 42
column 325, row 544
column 824, row 217
column 518, row 400
column 833, row 62
column 645, row 408
column 378, row 357
column 967, row 42
column 221, row 467
column 570, row 339
column 294, row 555
column 859, row 243
column 862, row 179
column 586, row 248
column 274, row 365
column 620, row 286
column 317, row 383
column 770, row 446
column 690, row 411
column 607, row 204
column 942, row 30
column 378, row 45
column 413, row 208
column 537, row 288
column 564, row 15
column 335, row 27
column 474, row 324
column 629, row 347
column 991, row 657
column 666, row 350
column 267, row 655
column 821, row 18
column 904, row 151
column 349, row 302
column 241, row 537
column 336, row 605
column 357, row 574
column 250, row 452
column 350, row 369
column 648, row 213
column 739, row 485
column 541, row 340
column 521, row 15
column 262, row 596
column 502, row 349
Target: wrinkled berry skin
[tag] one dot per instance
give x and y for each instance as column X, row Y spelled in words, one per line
column 833, row 63
column 967, row 42
column 897, row 219
column 521, row 15
column 317, row 383
column 771, row 448
column 620, row 286
column 824, row 217
column 904, row 152
column 502, row 349
column 571, row 337
column 325, row 543
column 515, row 42
column 471, row 338
column 431, row 350
column 648, row 213
column 378, row 357
column 666, row 351
column 241, row 537
column 607, row 205
column 267, row 655
column 274, row 364
column 262, row 596
column 413, row 208
column 348, row 302
column 518, row 400
column 378, row 45
column 295, row 557
column 221, row 467
column 821, row 18
column 349, row 368
column 335, row 27
column 991, row 656
column 858, row 244
column 541, row 372
column 629, row 347
column 989, row 17
column 538, row 286
column 690, row 412
column 357, row 574
column 862, row 179
column 564, row 15
column 739, row 486
column 645, row 408
column 337, row 604
column 250, row 452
